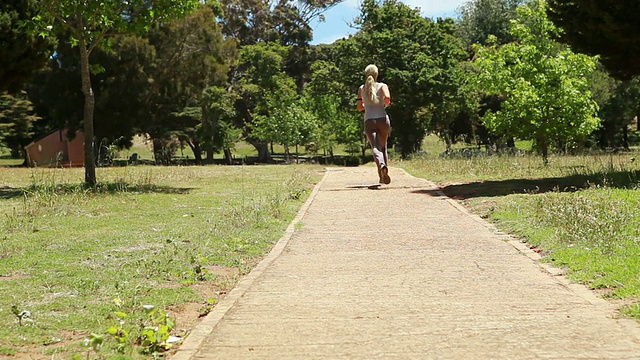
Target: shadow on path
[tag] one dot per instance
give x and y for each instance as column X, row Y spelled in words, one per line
column 572, row 183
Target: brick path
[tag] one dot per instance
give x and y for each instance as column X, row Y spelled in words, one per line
column 423, row 280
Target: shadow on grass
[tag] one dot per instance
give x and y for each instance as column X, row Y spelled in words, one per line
column 7, row 192
column 103, row 188
column 492, row 188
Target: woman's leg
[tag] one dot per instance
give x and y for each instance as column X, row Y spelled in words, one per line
column 373, row 136
column 377, row 131
column 383, row 130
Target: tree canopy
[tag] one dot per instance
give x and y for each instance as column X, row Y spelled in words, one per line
column 22, row 51
column 90, row 24
column 544, row 87
column 606, row 28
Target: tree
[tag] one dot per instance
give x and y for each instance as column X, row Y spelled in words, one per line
column 190, row 56
column 119, row 90
column 288, row 123
column 257, row 77
column 544, row 86
column 451, row 99
column 22, row 52
column 90, row 24
column 16, row 122
column 415, row 56
column 217, row 131
column 618, row 112
column 481, row 18
column 606, row 28
column 326, row 96
column 284, row 22
column 478, row 20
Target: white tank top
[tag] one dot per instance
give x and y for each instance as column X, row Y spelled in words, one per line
column 371, row 110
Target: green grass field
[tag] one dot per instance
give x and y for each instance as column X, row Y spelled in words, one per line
column 175, row 238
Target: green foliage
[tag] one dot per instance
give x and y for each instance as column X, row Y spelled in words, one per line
column 217, row 131
column 93, row 24
column 481, row 18
column 264, row 90
column 618, row 112
column 289, row 123
column 17, row 118
column 146, row 328
column 417, row 59
column 22, row 52
column 330, row 96
column 544, row 87
column 191, row 56
column 605, row 28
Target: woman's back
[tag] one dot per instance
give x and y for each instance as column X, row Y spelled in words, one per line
column 374, row 110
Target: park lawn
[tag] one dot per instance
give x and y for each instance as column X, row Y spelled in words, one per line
column 175, row 238
column 579, row 212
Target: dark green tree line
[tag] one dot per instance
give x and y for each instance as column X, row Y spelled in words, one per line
column 606, row 28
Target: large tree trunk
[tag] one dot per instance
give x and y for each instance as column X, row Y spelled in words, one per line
column 625, row 137
column 543, row 145
column 208, row 131
column 89, row 104
column 197, row 152
column 264, row 155
column 228, row 157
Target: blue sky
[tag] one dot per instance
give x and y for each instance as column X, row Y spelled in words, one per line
column 335, row 27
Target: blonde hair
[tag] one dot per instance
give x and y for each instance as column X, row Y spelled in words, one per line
column 370, row 78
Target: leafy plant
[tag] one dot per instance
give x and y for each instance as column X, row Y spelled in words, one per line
column 149, row 330
column 21, row 315
column 206, row 307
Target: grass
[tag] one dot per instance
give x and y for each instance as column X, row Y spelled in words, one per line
column 83, row 262
column 580, row 212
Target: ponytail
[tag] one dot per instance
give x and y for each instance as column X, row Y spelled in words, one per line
column 370, row 90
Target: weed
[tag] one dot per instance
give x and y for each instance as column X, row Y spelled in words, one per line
column 207, row 307
column 22, row 315
column 8, row 351
column 148, row 330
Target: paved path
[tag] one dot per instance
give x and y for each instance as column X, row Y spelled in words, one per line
column 427, row 280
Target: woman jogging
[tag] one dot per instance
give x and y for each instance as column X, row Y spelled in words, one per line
column 373, row 98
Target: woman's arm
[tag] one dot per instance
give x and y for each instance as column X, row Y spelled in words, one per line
column 387, row 95
column 360, row 103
